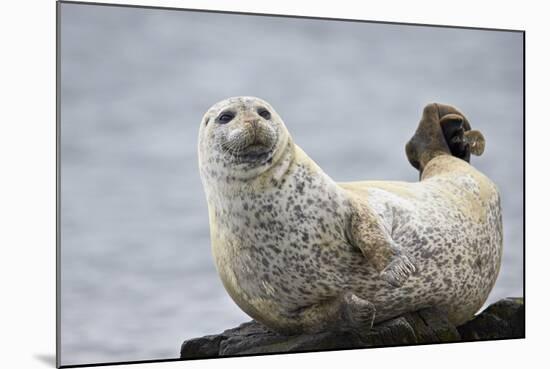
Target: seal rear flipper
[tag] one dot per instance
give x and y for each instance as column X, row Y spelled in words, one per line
column 476, row 140
column 462, row 141
column 443, row 129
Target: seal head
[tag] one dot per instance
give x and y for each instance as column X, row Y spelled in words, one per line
column 239, row 138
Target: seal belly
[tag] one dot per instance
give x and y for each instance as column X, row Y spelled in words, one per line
column 450, row 222
column 269, row 250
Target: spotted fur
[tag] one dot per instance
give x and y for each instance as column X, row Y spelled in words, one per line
column 299, row 252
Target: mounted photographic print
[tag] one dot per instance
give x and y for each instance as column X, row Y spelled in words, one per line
column 241, row 184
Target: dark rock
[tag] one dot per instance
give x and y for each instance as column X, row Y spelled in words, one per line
column 207, row 346
column 504, row 319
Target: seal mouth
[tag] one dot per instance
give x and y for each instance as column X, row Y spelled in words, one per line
column 254, row 153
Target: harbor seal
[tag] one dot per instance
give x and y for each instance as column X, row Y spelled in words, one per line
column 301, row 253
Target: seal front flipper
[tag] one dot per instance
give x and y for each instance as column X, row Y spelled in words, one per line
column 367, row 233
column 399, row 269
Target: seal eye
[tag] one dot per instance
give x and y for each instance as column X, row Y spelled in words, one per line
column 264, row 113
column 226, row 117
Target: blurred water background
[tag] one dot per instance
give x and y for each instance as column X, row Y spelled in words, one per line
column 137, row 277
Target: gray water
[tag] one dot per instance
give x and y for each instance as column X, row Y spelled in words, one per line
column 137, row 277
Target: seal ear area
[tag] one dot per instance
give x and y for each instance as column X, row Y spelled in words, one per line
column 208, row 117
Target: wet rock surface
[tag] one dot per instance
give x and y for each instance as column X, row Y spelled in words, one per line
column 503, row 319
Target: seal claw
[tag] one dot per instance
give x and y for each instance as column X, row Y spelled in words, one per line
column 399, row 270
